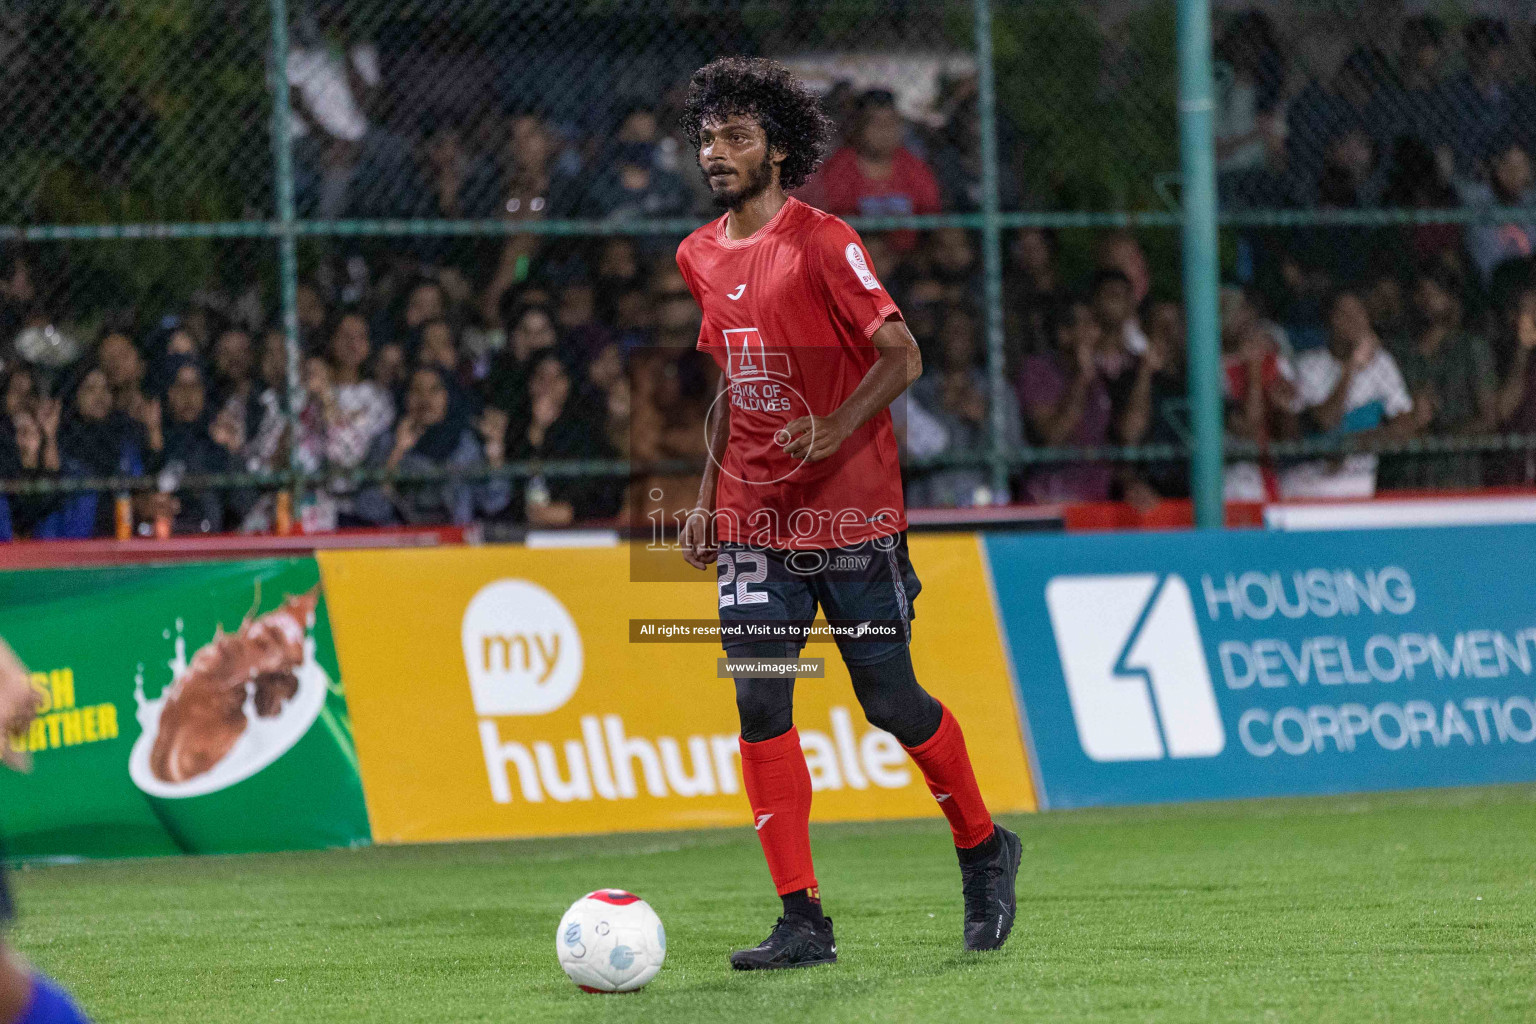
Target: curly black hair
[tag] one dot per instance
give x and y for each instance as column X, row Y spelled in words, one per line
column 791, row 117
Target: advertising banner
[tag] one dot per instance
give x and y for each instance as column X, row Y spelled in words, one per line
column 1184, row 666
column 185, row 709
column 496, row 692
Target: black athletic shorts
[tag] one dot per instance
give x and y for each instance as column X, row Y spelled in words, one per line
column 870, row 583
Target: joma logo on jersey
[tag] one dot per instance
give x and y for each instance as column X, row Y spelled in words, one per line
column 1135, row 667
column 748, row 359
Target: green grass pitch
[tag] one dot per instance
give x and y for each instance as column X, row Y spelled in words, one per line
column 1406, row 907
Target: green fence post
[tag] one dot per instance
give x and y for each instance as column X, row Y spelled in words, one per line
column 1197, row 161
column 287, row 249
column 991, row 246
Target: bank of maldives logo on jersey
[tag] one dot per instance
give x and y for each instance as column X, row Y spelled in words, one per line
column 747, row 358
column 1135, row 667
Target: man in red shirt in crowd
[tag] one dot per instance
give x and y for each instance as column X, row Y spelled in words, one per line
column 801, row 502
column 875, row 175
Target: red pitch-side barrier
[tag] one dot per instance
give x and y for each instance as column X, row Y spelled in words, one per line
column 52, row 554
column 1077, row 517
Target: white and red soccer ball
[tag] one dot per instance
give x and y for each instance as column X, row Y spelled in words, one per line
column 611, row 941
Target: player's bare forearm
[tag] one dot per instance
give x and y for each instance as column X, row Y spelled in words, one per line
column 698, row 542
column 899, row 364
column 719, row 436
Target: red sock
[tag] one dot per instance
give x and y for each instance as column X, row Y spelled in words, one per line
column 779, row 787
column 946, row 768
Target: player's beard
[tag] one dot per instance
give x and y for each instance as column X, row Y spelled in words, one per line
column 758, row 180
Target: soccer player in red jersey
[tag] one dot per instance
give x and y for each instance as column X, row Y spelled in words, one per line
column 801, row 503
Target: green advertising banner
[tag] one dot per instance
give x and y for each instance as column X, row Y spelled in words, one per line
column 186, row 709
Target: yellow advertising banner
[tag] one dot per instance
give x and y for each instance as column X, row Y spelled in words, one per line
column 495, row 692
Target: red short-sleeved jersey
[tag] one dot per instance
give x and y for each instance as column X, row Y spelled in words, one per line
column 788, row 316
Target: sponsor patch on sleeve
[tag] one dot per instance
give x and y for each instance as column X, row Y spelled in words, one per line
column 860, row 267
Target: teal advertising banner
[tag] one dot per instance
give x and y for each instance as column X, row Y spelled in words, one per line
column 1189, row 666
column 185, row 709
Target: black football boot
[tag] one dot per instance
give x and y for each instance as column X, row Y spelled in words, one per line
column 990, row 903
column 796, row 941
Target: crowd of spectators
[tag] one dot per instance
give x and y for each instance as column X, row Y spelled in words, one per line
column 432, row 353
column 1388, row 331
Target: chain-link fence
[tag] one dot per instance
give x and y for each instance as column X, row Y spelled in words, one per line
column 259, row 220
